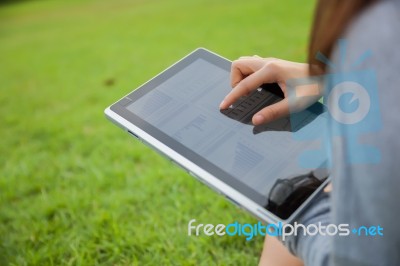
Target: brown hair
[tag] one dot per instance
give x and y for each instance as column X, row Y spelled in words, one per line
column 330, row 21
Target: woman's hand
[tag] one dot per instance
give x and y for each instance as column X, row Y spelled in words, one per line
column 250, row 72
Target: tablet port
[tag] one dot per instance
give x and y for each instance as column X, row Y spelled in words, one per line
column 233, row 201
column 133, row 134
column 205, row 182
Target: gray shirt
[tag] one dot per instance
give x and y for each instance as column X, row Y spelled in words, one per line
column 364, row 194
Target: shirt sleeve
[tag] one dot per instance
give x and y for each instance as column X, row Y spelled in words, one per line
column 313, row 250
column 366, row 193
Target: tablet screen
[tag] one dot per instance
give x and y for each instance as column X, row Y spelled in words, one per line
column 184, row 108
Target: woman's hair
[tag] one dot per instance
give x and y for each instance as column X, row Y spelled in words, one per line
column 330, row 21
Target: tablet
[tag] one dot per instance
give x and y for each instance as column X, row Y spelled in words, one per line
column 177, row 114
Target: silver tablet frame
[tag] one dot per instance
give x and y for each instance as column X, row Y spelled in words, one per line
column 200, row 174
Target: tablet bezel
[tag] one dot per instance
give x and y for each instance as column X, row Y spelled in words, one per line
column 198, row 166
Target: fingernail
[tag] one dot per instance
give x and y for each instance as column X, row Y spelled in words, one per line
column 258, row 119
column 222, row 104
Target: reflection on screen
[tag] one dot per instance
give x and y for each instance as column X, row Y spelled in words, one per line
column 185, row 107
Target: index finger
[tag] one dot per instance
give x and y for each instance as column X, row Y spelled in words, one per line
column 244, row 87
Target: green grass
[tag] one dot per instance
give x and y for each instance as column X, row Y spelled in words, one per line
column 76, row 190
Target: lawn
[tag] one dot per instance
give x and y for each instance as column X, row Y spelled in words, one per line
column 76, row 190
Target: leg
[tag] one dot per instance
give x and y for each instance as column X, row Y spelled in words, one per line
column 276, row 254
